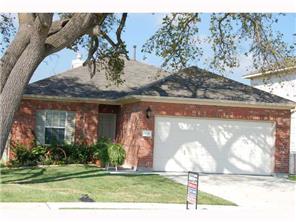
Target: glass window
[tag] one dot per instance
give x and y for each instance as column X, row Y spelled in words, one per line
column 55, row 126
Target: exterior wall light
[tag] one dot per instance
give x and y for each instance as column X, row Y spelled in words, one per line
column 148, row 112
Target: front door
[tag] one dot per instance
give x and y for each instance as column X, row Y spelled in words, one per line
column 107, row 125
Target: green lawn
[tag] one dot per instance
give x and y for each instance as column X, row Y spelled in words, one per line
column 292, row 177
column 68, row 183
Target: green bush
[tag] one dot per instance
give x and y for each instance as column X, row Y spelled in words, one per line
column 104, row 150
column 39, row 153
column 77, row 153
column 23, row 156
column 100, row 150
column 116, row 154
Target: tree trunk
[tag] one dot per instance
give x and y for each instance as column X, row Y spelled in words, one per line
column 13, row 90
column 19, row 76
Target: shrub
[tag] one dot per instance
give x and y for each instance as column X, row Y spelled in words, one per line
column 100, row 150
column 23, row 156
column 104, row 150
column 116, row 154
column 39, row 152
column 77, row 153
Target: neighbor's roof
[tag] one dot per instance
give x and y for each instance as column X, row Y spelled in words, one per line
column 286, row 67
column 286, row 70
column 140, row 80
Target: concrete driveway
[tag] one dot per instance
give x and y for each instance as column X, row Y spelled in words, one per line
column 247, row 191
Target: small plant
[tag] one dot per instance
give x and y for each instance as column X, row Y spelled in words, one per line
column 116, row 154
column 39, row 153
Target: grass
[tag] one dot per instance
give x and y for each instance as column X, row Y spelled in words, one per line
column 292, row 177
column 68, row 183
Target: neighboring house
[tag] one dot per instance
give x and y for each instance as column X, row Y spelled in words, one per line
column 281, row 82
column 191, row 120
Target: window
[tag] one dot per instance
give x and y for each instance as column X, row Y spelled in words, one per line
column 55, row 124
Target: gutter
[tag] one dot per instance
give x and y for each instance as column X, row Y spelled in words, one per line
column 70, row 99
column 141, row 98
column 253, row 75
column 210, row 102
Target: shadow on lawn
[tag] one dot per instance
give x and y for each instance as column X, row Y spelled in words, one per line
column 28, row 173
column 32, row 178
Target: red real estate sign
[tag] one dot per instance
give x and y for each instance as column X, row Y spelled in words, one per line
column 192, row 189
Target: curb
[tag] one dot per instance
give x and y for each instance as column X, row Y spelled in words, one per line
column 103, row 206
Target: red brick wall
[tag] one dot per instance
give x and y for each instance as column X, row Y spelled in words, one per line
column 140, row 150
column 85, row 124
column 131, row 120
column 109, row 108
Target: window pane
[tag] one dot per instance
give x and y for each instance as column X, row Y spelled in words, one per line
column 54, row 135
column 62, row 119
column 55, row 120
column 48, row 135
column 48, row 121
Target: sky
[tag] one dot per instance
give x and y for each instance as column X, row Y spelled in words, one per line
column 140, row 27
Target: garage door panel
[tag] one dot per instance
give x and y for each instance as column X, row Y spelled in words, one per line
column 213, row 146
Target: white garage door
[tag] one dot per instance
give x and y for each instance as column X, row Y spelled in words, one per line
column 213, row 145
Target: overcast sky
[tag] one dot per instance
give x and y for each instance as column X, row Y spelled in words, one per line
column 140, row 27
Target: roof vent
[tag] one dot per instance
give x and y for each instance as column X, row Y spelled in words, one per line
column 135, row 52
column 77, row 62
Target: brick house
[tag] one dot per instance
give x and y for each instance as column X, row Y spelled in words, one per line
column 191, row 120
column 280, row 82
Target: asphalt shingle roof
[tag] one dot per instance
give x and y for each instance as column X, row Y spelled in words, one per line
column 143, row 79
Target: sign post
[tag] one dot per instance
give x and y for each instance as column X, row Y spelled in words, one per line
column 192, row 189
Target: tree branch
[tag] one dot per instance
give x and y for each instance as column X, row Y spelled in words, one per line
column 105, row 36
column 57, row 26
column 77, row 26
column 119, row 45
column 120, row 28
column 221, row 33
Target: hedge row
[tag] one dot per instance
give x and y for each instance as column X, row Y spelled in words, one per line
column 104, row 150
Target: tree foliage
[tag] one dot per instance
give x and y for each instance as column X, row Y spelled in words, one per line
column 178, row 41
column 7, row 30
